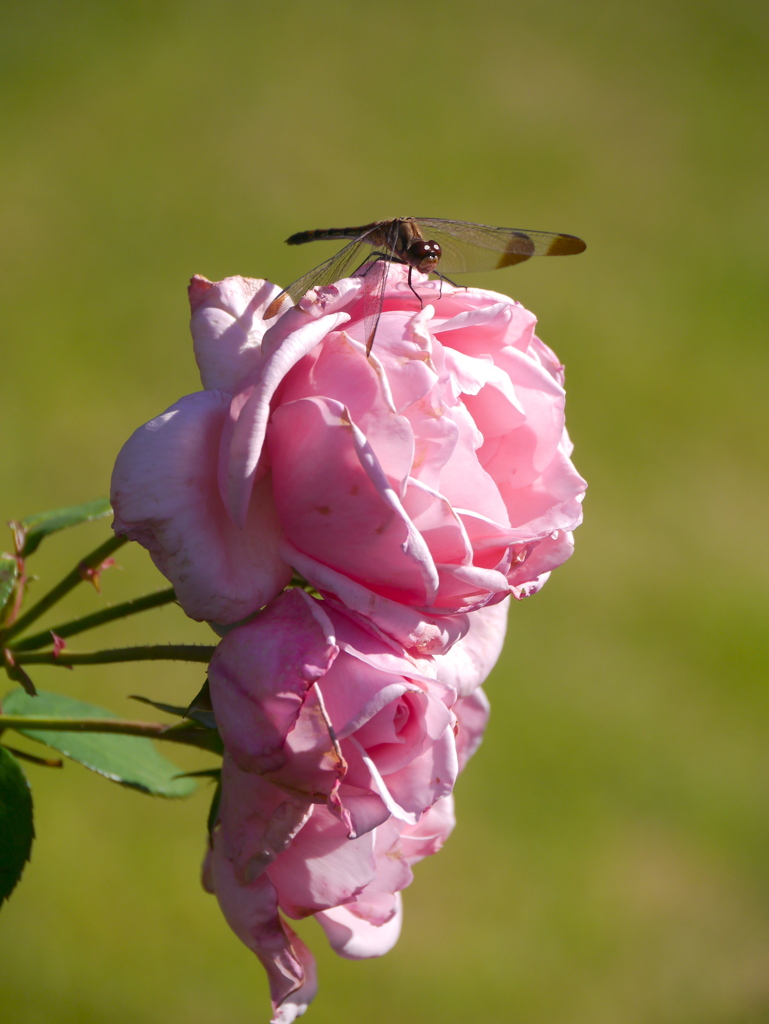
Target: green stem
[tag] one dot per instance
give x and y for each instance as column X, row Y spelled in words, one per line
column 70, row 581
column 153, row 652
column 118, row 611
column 191, row 735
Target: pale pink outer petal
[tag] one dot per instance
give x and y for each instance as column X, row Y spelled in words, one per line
column 518, row 322
column 228, row 326
column 541, row 557
column 165, row 496
column 529, row 589
column 467, row 664
column 355, row 938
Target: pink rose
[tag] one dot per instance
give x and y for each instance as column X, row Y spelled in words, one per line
column 341, row 755
column 272, row 853
column 413, row 487
column 311, row 702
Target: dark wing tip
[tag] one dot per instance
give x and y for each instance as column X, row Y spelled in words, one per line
column 566, row 245
column 275, row 306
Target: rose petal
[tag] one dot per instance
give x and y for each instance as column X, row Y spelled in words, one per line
column 260, row 674
column 228, row 326
column 368, row 531
column 165, row 497
column 283, row 346
column 467, row 664
column 322, row 867
column 357, row 939
column 472, row 714
column 252, row 913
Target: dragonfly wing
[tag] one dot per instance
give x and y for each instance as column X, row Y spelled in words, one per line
column 341, row 265
column 376, row 283
column 467, row 247
column 338, row 266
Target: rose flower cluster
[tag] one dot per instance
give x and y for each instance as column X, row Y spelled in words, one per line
column 352, row 527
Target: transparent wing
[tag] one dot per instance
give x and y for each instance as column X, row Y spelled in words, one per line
column 376, row 284
column 343, row 264
column 467, row 247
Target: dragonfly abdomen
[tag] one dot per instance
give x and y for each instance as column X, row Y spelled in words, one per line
column 320, row 234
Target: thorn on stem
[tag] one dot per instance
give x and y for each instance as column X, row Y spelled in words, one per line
column 93, row 575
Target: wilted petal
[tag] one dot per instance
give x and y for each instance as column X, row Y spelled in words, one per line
column 252, row 913
column 257, row 820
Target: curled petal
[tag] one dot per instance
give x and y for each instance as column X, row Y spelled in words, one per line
column 538, row 559
column 369, row 532
column 428, row 778
column 431, row 831
column 354, row 937
column 227, row 327
column 242, row 442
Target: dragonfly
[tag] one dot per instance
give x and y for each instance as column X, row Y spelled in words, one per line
column 422, row 244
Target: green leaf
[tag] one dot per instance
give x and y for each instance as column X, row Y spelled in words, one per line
column 129, row 760
column 9, row 573
column 36, row 528
column 170, row 709
column 16, row 828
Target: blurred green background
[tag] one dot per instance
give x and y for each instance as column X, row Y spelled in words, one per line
column 611, row 862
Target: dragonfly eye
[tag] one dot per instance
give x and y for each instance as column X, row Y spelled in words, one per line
column 424, row 256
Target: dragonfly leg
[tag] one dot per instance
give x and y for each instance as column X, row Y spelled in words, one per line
column 411, row 286
column 448, row 281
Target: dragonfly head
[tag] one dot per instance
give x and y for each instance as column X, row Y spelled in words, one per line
column 422, row 255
